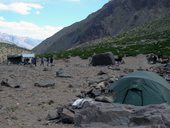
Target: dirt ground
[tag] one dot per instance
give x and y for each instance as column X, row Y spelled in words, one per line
column 28, row 106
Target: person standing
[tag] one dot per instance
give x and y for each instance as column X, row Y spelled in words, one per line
column 34, row 61
column 48, row 61
column 42, row 61
column 51, row 60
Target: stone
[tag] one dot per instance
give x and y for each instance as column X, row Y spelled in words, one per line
column 44, row 83
column 106, row 99
column 93, row 93
column 101, row 73
column 52, row 115
column 101, row 85
column 61, row 115
column 67, row 117
column 61, row 73
column 97, row 80
column 9, row 83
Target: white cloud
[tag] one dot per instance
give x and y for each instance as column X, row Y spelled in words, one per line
column 2, row 18
column 28, row 29
column 37, row 12
column 21, row 8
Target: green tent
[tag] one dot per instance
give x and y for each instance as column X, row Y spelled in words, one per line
column 141, row 88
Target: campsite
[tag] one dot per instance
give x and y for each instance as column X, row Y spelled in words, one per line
column 84, row 63
column 29, row 100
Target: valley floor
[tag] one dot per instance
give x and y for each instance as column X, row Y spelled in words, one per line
column 28, row 106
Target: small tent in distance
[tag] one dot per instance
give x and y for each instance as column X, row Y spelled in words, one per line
column 141, row 88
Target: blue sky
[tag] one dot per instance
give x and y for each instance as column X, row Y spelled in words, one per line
column 42, row 18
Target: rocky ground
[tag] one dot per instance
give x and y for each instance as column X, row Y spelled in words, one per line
column 26, row 99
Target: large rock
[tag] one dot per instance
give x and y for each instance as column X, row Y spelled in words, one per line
column 123, row 116
column 103, row 59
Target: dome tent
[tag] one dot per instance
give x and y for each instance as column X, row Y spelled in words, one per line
column 141, row 88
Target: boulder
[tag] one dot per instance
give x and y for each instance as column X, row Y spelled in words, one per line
column 113, row 115
column 67, row 117
column 103, row 59
column 117, row 115
column 62, row 114
column 52, row 115
column 151, row 115
column 61, row 73
column 10, row 83
column 45, row 83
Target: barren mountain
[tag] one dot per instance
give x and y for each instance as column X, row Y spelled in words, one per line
column 115, row 17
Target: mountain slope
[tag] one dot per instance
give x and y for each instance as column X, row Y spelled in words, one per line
column 9, row 49
column 152, row 37
column 155, row 31
column 25, row 42
column 115, row 17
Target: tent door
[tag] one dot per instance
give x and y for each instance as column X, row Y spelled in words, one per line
column 133, row 96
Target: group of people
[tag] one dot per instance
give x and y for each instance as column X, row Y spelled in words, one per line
column 48, row 61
